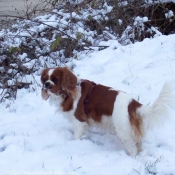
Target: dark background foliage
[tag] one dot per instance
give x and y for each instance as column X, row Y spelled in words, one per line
column 30, row 42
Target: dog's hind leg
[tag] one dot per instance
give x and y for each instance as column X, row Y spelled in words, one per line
column 128, row 142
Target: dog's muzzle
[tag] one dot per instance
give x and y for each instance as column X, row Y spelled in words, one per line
column 47, row 85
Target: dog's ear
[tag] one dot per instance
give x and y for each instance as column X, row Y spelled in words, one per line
column 44, row 94
column 43, row 71
column 69, row 80
column 44, row 74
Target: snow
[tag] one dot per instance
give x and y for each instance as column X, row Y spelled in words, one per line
column 23, row 56
column 139, row 19
column 36, row 140
column 170, row 14
column 158, row 1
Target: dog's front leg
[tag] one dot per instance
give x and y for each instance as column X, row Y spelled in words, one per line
column 79, row 128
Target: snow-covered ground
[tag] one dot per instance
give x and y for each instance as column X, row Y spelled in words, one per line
column 36, row 140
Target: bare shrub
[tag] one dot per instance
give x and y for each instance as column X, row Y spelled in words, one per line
column 53, row 33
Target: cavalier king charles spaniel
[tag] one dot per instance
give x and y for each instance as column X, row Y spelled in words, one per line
column 87, row 103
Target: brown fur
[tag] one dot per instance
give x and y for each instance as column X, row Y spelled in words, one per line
column 69, row 81
column 44, row 94
column 135, row 120
column 66, row 80
column 79, row 112
column 44, row 76
column 67, row 104
column 101, row 99
column 101, row 102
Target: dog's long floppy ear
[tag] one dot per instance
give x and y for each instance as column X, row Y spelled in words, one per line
column 69, row 80
column 44, row 73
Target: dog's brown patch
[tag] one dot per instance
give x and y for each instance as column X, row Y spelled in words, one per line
column 44, row 94
column 67, row 104
column 135, row 120
column 44, row 75
column 100, row 103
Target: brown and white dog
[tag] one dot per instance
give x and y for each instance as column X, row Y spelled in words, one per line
column 87, row 103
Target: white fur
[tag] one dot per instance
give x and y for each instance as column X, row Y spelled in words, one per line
column 50, row 73
column 159, row 112
column 119, row 121
column 151, row 116
column 51, row 82
column 122, row 124
column 105, row 126
column 79, row 127
column 55, row 100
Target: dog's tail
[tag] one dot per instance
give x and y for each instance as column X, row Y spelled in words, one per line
column 162, row 108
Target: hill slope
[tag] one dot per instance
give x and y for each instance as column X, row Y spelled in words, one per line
column 35, row 140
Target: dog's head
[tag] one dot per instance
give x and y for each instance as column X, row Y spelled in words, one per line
column 57, row 81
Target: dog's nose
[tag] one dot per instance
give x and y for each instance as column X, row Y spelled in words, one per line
column 47, row 85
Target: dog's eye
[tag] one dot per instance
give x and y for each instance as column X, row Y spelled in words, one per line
column 55, row 80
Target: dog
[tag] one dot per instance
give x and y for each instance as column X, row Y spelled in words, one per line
column 87, row 103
